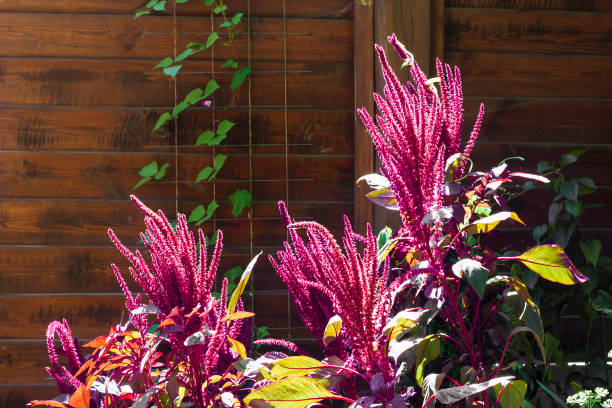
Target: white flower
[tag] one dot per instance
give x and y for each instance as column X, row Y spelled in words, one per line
column 580, row 397
column 601, row 392
column 607, row 403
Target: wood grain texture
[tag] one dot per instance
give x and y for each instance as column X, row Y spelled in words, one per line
column 98, row 175
column 517, row 31
column 107, row 36
column 130, row 130
column 259, row 8
column 91, row 315
column 574, row 5
column 84, row 82
column 535, row 120
column 524, row 75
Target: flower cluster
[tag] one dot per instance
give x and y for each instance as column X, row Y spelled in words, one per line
column 415, row 135
column 66, row 381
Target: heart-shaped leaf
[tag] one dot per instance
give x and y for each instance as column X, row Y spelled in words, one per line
column 332, row 330
column 551, row 262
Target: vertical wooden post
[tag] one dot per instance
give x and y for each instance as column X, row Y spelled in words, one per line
column 364, row 86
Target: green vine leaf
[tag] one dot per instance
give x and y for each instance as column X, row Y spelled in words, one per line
column 240, row 200
column 151, row 3
column 220, row 9
column 172, row 71
column 208, row 2
column 197, row 46
column 239, row 77
column 197, row 213
column 194, row 96
column 230, row 63
column 166, row 62
column 204, row 174
column 179, row 108
column 224, row 127
column 205, row 138
column 141, row 182
column 162, row 121
column 160, row 6
column 215, row 141
column 181, row 1
column 219, row 161
column 162, row 171
column 141, row 13
column 212, row 37
column 185, row 54
column 226, row 24
column 211, row 87
column 149, row 170
column 236, row 18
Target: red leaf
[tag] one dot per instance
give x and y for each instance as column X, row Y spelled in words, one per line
column 80, row 398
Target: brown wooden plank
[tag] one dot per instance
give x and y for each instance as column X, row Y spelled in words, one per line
column 488, row 74
column 259, row 8
column 90, row 316
column 512, row 31
column 364, row 86
column 107, row 36
column 70, row 175
column 17, row 396
column 124, row 83
column 575, row 5
column 510, row 120
column 43, row 222
column 590, row 164
column 85, row 129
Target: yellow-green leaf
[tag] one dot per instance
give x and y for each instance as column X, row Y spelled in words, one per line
column 551, row 262
column 427, row 351
column 332, row 330
column 294, row 392
column 404, row 320
column 231, row 306
column 237, row 346
column 294, row 366
column 511, row 395
column 486, row 224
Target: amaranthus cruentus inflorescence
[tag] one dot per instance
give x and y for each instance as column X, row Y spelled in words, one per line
column 426, row 315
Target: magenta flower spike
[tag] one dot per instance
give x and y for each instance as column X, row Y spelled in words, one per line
column 325, row 280
column 66, row 382
column 416, row 132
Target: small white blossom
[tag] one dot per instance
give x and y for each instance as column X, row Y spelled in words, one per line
column 607, row 403
column 601, row 392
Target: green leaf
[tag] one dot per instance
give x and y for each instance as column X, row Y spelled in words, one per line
column 166, row 62
column 162, row 121
column 568, row 158
column 194, row 96
column 149, row 170
column 486, row 224
column 141, row 13
column 591, row 250
column 208, row 2
column 211, row 87
column 403, row 321
column 551, row 262
column 231, row 305
column 230, row 63
column 586, row 181
column 475, row 273
column 220, row 9
column 151, row 3
column 294, row 366
column 544, row 165
column 384, row 236
column 197, row 46
column 205, row 138
column 160, row 6
column 172, row 71
column 332, row 330
column 573, row 207
column 179, row 108
column 162, row 171
column 219, row 161
column 197, row 213
column 224, row 126
column 554, row 396
column 239, row 77
column 204, row 174
column 233, row 274
column 212, row 37
column 226, row 24
column 141, row 182
column 292, row 392
column 210, row 210
column 216, row 140
column 240, row 200
column 181, row 1
column 236, row 18
column 185, row 54
column 427, row 351
column 603, row 303
column 538, row 232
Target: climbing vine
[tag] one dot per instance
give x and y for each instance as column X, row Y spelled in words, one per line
column 171, row 66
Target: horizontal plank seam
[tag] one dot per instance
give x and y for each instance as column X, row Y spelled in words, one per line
column 525, row 10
